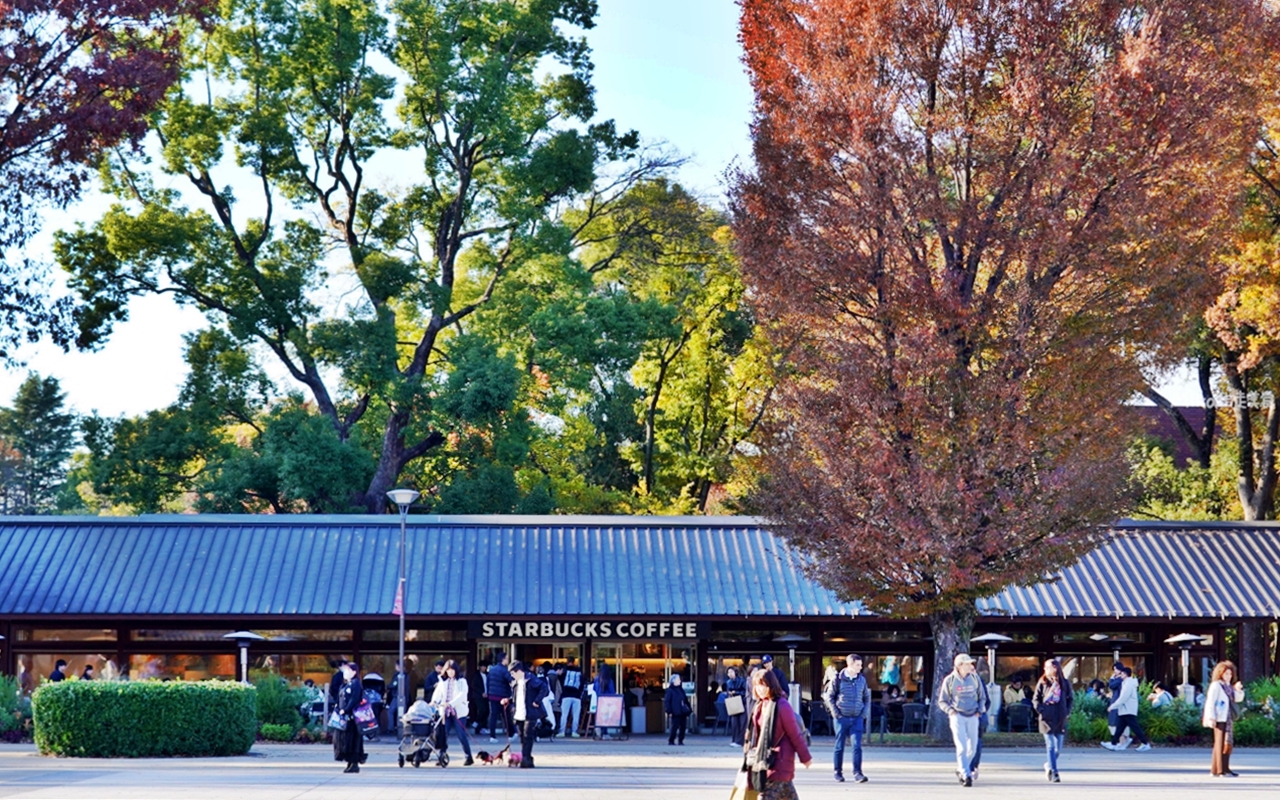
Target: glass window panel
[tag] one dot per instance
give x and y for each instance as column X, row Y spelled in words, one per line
column 41, row 665
column 875, row 636
column 1082, row 669
column 66, row 634
column 182, row 667
column 414, row 635
column 212, row 635
column 1098, row 638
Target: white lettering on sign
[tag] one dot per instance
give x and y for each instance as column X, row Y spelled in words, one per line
column 553, row 630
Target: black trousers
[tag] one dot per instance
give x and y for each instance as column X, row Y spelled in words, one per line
column 498, row 713
column 528, row 732
column 1129, row 721
column 679, row 723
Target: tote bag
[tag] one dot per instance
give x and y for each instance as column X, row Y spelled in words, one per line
column 733, row 705
column 742, row 788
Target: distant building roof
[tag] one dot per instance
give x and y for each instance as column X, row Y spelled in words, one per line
column 472, row 567
column 1161, row 427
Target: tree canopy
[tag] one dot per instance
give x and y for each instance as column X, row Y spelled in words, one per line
column 976, row 216
column 77, row 77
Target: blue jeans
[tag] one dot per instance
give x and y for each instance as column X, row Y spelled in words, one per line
column 845, row 727
column 459, row 726
column 1052, row 747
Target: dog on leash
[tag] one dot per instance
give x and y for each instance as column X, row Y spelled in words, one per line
column 498, row 757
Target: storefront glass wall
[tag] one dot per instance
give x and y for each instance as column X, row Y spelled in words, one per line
column 65, row 634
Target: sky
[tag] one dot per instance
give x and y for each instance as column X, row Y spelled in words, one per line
column 670, row 69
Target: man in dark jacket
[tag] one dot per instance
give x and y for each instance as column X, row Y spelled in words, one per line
column 58, row 674
column 497, row 687
column 848, row 699
column 527, row 697
column 676, row 704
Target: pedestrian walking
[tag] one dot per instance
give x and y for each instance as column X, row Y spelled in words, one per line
column 848, row 699
column 479, row 703
column 983, row 720
column 527, row 697
column 1114, row 683
column 571, row 698
column 774, row 742
column 1221, row 709
column 498, row 690
column 1126, row 708
column 1052, row 701
column 350, row 738
column 451, row 699
column 963, row 700
column 676, row 704
column 736, row 686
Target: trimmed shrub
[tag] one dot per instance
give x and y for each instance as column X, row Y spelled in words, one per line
column 277, row 733
column 138, row 719
column 1255, row 731
column 278, row 704
column 1258, row 691
column 10, row 714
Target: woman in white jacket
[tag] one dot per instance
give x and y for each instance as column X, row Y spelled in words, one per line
column 1221, row 707
column 450, row 698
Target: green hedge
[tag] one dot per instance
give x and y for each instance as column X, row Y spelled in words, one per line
column 134, row 719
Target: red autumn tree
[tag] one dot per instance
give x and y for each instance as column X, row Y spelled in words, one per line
column 979, row 214
column 76, row 77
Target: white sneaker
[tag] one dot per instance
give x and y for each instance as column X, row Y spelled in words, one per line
column 1142, row 748
column 1125, row 741
column 1108, row 746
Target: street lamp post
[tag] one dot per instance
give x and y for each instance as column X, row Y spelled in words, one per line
column 991, row 641
column 243, row 639
column 1184, row 641
column 403, row 498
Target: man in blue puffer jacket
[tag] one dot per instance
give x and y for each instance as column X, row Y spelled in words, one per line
column 498, row 689
column 848, row 698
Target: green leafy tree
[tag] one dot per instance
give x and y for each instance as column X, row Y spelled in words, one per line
column 38, row 435
column 305, row 96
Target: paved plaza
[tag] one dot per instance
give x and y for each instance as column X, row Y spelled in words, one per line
column 640, row 768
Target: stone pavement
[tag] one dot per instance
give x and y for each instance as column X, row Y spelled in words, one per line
column 643, row 767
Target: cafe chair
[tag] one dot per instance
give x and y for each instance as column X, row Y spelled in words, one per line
column 915, row 717
column 1020, row 717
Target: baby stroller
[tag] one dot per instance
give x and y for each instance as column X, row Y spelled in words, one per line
column 422, row 731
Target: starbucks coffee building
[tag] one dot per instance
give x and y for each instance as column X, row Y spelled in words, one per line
column 152, row 597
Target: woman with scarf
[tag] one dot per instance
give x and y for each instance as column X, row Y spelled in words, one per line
column 1052, row 701
column 451, row 698
column 774, row 741
column 350, row 737
column 1221, row 709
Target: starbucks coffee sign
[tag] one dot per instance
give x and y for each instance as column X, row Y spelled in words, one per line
column 508, row 629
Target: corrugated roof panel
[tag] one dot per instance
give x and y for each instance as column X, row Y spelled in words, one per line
column 571, row 565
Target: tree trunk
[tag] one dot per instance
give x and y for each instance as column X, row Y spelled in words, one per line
column 1253, row 645
column 952, row 629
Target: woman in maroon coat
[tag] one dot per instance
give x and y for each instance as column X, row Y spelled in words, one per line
column 774, row 728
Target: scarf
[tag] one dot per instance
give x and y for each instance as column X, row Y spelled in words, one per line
column 1054, row 694
column 760, row 756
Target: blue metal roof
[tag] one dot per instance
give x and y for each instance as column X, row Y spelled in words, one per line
column 465, row 566
column 1161, row 569
column 578, row 566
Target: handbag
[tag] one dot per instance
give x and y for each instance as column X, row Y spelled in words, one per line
column 742, row 789
column 733, row 705
column 336, row 721
column 364, row 715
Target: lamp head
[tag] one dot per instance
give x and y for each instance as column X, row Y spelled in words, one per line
column 403, row 497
